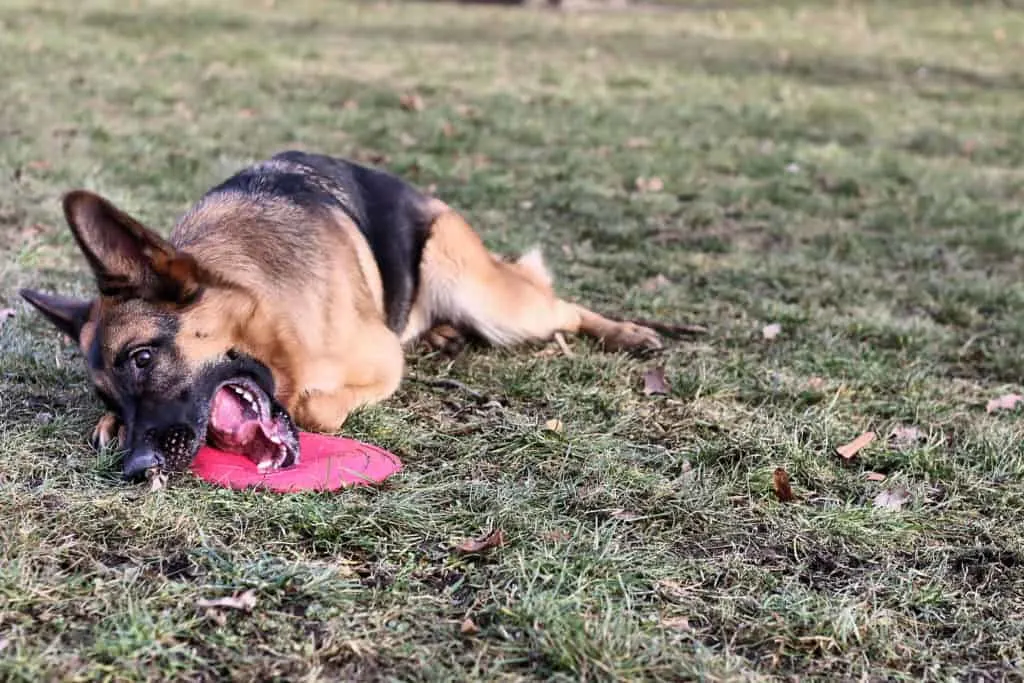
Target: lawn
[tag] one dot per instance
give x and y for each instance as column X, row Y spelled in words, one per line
column 850, row 173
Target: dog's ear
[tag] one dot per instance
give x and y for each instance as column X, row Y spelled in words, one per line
column 127, row 258
column 68, row 314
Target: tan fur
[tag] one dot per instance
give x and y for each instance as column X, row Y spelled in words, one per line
column 312, row 310
column 325, row 342
column 505, row 303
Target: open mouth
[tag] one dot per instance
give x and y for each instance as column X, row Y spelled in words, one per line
column 244, row 420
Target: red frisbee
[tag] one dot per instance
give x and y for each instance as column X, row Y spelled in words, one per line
column 327, row 463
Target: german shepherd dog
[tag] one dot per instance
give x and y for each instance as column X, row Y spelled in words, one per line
column 283, row 300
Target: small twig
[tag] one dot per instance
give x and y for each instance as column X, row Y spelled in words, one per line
column 671, row 330
column 451, row 384
column 560, row 340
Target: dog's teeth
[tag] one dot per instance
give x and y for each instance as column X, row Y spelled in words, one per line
column 246, row 395
column 275, row 439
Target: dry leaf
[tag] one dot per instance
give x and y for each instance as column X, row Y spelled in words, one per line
column 350, row 105
column 6, row 313
column 4, row 643
column 494, row 539
column 780, row 484
column 816, row 383
column 677, row 623
column 851, row 449
column 904, row 437
column 625, row 515
column 246, row 113
column 771, row 331
column 469, row 627
column 244, row 601
column 655, row 283
column 674, row 589
column 654, row 381
column 892, row 499
column 554, row 425
column 447, row 129
column 38, row 165
column 556, row 536
column 1007, row 402
column 407, row 140
column 874, row 476
column 652, row 184
column 411, row 102
column 638, row 143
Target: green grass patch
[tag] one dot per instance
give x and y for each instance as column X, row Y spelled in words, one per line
column 850, row 171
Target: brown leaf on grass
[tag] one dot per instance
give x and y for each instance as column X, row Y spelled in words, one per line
column 1005, row 402
column 874, row 476
column 892, row 499
column 554, row 425
column 556, row 536
column 655, row 283
column 469, row 627
column 847, row 451
column 244, row 601
column 652, row 184
column 246, row 113
column 350, row 105
column 407, row 140
column 493, row 539
column 447, row 129
column 904, row 437
column 5, row 313
column 637, row 143
column 654, row 381
column 38, row 165
column 780, row 484
column 673, row 589
column 411, row 102
column 625, row 515
column 816, row 383
column 677, row 623
column 467, row 111
column 771, row 331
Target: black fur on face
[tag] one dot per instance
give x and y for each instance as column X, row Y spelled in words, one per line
column 166, row 432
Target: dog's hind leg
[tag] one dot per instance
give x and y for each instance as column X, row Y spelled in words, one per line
column 505, row 302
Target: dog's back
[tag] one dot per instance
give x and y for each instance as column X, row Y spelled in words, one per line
column 393, row 217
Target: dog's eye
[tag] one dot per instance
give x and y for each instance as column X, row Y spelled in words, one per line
column 142, row 358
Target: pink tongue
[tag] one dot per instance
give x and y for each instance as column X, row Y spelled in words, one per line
column 226, row 413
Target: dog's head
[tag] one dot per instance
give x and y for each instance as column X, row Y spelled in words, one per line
column 165, row 347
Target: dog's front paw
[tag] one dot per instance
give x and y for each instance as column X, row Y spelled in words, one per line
column 628, row 336
column 107, row 431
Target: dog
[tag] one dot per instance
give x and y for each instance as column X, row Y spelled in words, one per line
column 284, row 299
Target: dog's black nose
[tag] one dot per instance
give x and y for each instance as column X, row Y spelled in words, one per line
column 138, row 461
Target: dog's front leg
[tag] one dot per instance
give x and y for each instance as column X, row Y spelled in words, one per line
column 108, row 430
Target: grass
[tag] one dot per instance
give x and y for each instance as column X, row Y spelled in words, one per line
column 849, row 171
